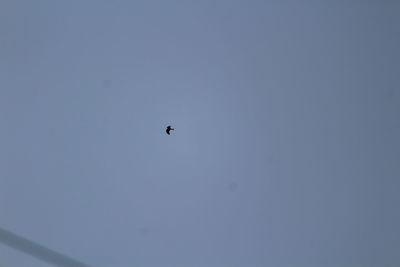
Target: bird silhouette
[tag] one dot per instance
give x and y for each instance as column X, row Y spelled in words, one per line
column 169, row 128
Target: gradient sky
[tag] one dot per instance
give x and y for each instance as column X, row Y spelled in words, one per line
column 286, row 150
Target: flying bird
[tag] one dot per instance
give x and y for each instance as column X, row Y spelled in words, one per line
column 169, row 128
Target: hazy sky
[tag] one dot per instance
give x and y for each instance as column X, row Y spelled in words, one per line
column 286, row 147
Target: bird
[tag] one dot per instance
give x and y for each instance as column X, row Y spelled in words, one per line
column 169, row 128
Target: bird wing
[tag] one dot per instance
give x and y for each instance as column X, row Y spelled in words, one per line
column 167, row 131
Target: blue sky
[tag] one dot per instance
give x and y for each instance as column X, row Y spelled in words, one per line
column 286, row 149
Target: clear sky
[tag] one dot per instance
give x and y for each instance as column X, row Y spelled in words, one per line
column 286, row 147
